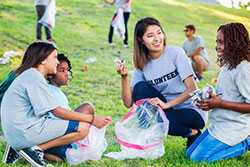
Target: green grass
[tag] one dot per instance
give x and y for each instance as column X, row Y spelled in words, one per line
column 81, row 32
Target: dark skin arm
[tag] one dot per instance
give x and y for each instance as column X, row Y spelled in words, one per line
column 217, row 102
column 98, row 121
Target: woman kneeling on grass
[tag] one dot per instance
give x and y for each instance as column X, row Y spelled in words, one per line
column 228, row 133
column 25, row 106
column 164, row 74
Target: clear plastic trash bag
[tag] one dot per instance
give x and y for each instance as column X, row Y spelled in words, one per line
column 90, row 148
column 48, row 18
column 141, row 132
column 118, row 24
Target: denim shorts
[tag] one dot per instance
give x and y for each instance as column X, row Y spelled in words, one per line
column 60, row 151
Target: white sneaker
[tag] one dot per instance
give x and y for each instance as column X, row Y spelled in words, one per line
column 111, row 44
column 125, row 45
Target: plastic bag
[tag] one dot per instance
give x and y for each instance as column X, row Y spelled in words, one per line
column 141, row 132
column 118, row 24
column 48, row 18
column 90, row 148
column 202, row 94
column 5, row 59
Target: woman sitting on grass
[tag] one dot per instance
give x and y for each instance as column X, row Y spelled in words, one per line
column 25, row 106
column 228, row 133
column 164, row 74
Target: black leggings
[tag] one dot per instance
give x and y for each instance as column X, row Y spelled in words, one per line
column 111, row 28
column 40, row 10
column 181, row 121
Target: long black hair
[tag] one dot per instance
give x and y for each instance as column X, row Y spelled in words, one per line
column 33, row 56
column 62, row 58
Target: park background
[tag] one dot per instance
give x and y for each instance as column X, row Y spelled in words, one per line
column 81, row 33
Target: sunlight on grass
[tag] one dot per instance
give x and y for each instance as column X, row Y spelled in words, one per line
column 81, row 32
column 8, row 16
column 227, row 16
column 176, row 3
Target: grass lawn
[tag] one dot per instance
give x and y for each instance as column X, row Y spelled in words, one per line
column 81, row 32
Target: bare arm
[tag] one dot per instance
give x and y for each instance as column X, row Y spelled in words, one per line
column 216, row 102
column 190, row 87
column 76, row 116
column 129, row 2
column 196, row 52
column 98, row 121
column 238, row 107
column 126, row 90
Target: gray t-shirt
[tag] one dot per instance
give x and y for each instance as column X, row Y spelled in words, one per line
column 42, row 2
column 228, row 126
column 59, row 97
column 197, row 42
column 167, row 74
column 120, row 3
column 24, row 111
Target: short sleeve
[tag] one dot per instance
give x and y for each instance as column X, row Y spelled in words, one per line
column 41, row 98
column 137, row 77
column 184, row 47
column 200, row 43
column 183, row 64
column 242, row 81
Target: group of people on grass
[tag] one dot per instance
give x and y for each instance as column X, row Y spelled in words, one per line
column 38, row 122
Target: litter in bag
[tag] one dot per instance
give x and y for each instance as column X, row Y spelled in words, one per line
column 90, row 148
column 141, row 132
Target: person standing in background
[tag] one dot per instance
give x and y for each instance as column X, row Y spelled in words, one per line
column 41, row 6
column 126, row 6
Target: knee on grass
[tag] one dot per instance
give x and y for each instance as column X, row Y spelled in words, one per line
column 86, row 107
column 83, row 130
column 195, row 156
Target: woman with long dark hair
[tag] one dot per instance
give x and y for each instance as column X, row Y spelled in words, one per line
column 25, row 106
column 164, row 74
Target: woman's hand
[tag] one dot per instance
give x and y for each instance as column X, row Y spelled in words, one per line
column 157, row 102
column 214, row 102
column 122, row 69
column 101, row 121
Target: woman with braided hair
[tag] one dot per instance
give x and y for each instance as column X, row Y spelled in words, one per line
column 228, row 133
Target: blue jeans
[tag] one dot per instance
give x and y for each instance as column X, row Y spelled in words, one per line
column 207, row 148
column 181, row 122
column 60, row 151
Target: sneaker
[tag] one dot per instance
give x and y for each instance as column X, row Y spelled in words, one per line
column 125, row 45
column 191, row 139
column 10, row 155
column 34, row 156
column 111, row 44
